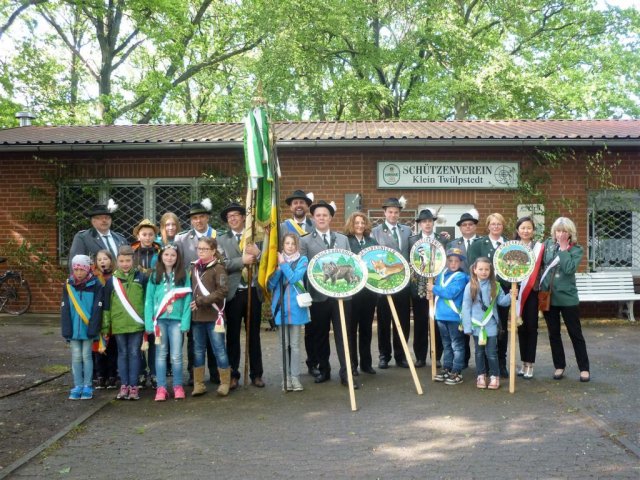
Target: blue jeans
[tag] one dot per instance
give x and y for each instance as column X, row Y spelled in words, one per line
column 201, row 332
column 129, row 357
column 171, row 340
column 82, row 362
column 491, row 352
column 452, row 345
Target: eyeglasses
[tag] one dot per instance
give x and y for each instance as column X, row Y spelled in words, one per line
column 233, row 215
column 201, row 249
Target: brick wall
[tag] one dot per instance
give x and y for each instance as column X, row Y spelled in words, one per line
column 329, row 173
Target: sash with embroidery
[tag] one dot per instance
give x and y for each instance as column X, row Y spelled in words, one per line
column 295, row 228
column 169, row 298
column 482, row 336
column 122, row 296
column 527, row 284
column 219, row 326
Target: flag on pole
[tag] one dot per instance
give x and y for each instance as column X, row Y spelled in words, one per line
column 261, row 166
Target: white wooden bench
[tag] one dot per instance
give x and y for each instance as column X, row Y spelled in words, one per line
column 609, row 286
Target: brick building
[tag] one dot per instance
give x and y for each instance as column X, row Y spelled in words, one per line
column 586, row 170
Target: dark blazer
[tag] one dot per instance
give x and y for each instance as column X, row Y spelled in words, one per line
column 483, row 247
column 412, row 241
column 89, row 242
column 233, row 263
column 312, row 244
column 462, row 245
column 384, row 237
column 354, row 244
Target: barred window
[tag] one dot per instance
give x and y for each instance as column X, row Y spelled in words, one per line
column 614, row 230
column 138, row 199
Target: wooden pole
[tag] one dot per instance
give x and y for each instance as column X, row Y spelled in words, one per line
column 347, row 356
column 512, row 339
column 432, row 333
column 405, row 347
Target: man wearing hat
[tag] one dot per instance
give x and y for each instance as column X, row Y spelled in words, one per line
column 426, row 220
column 187, row 243
column 99, row 236
column 468, row 225
column 299, row 203
column 394, row 235
column 325, row 311
column 239, row 256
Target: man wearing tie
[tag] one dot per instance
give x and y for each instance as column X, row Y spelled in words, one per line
column 426, row 221
column 325, row 311
column 468, row 225
column 237, row 261
column 299, row 203
column 486, row 247
column 99, row 236
column 394, row 235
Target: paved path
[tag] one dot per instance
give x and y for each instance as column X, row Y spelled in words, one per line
column 547, row 429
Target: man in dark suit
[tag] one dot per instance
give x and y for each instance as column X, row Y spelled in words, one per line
column 394, row 235
column 237, row 261
column 467, row 224
column 325, row 311
column 299, row 203
column 187, row 243
column 99, row 236
column 426, row 221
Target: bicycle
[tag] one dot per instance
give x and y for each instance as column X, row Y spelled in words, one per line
column 15, row 294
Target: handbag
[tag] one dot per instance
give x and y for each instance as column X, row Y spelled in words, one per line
column 544, row 296
column 303, row 297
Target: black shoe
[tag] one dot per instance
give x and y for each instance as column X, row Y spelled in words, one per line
column 314, row 371
column 101, row 383
column 402, row 363
column 368, row 370
column 345, row 383
column 420, row 364
column 383, row 363
column 112, row 383
column 322, row 377
column 355, row 372
column 504, row 373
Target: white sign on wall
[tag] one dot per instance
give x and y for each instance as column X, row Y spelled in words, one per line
column 466, row 175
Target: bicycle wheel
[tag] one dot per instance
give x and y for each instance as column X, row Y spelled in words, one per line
column 16, row 295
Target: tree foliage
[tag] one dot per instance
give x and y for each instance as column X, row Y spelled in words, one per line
column 105, row 61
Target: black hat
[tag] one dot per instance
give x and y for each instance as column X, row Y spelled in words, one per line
column 324, row 204
column 99, row 209
column 200, row 207
column 298, row 194
column 468, row 217
column 232, row 207
column 394, row 202
column 426, row 214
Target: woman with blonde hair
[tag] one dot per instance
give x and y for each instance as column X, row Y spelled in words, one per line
column 169, row 227
column 562, row 256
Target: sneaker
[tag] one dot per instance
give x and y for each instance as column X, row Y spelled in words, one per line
column 87, row 392
column 154, row 382
column 494, row 384
column 133, row 393
column 442, row 376
column 296, row 386
column 161, row 394
column 75, row 393
column 101, row 383
column 112, row 383
column 178, row 392
column 289, row 385
column 481, row 381
column 123, row 394
column 454, row 379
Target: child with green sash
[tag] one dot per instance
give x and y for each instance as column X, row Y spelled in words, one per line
column 80, row 319
column 480, row 319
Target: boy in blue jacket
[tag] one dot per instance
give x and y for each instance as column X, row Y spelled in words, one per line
column 80, row 321
column 448, row 290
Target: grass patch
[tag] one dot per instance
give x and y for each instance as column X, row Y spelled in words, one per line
column 55, row 369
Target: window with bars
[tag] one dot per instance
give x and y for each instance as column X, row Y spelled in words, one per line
column 138, row 199
column 614, row 230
